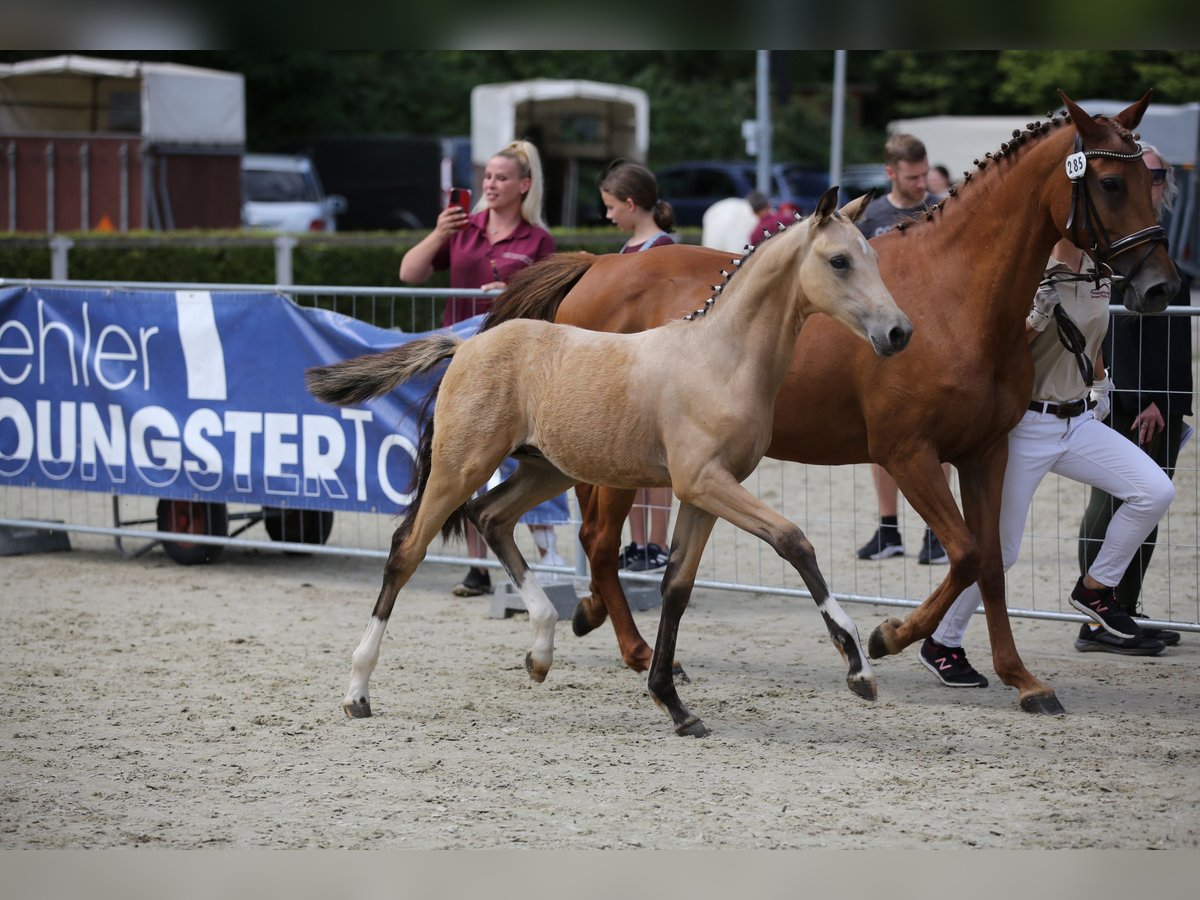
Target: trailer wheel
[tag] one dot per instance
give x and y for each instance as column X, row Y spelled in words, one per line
column 300, row 526
column 191, row 517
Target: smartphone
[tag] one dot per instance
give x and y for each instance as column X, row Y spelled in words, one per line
column 461, row 197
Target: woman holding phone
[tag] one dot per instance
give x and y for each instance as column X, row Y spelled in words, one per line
column 483, row 249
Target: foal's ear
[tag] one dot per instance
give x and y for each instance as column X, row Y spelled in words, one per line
column 855, row 209
column 826, row 205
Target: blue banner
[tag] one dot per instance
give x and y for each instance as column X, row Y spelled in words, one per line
column 192, row 395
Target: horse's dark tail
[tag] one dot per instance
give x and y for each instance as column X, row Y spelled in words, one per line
column 356, row 380
column 536, row 291
column 456, row 524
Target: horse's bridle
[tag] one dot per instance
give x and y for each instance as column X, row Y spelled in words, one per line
column 1094, row 227
column 1068, row 332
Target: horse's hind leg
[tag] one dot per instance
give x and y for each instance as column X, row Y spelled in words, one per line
column 495, row 514
column 692, row 528
column 447, row 489
column 720, row 494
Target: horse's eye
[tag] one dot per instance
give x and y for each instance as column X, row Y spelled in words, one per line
column 839, row 262
column 1110, row 185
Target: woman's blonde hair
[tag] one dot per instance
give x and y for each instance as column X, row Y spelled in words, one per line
column 529, row 165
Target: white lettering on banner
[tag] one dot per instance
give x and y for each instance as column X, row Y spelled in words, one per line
column 394, row 440
column 358, row 417
column 24, row 349
column 156, row 459
column 244, row 426
column 14, row 463
column 203, row 355
column 97, row 444
column 278, row 453
column 115, row 349
column 320, row 465
column 204, row 470
column 56, row 467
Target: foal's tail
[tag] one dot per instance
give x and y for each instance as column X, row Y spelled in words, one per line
column 536, row 291
column 355, row 380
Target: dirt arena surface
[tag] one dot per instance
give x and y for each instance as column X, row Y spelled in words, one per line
column 152, row 705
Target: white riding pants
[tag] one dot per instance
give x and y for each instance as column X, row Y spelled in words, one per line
column 1086, row 451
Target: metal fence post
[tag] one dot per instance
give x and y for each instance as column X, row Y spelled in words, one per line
column 283, row 259
column 59, row 246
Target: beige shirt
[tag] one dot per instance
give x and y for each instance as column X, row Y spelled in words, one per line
column 1056, row 375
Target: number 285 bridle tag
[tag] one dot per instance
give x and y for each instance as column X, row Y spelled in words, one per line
column 1076, row 166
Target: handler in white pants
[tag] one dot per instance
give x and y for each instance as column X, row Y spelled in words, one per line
column 1062, row 432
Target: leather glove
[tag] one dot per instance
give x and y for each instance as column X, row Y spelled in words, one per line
column 1044, row 301
column 1101, row 395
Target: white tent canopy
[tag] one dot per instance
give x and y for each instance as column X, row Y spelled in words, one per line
column 164, row 103
column 569, row 119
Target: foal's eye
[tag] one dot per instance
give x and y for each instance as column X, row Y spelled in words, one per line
column 1110, row 185
column 839, row 262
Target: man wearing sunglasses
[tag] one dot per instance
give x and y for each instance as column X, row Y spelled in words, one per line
column 1150, row 361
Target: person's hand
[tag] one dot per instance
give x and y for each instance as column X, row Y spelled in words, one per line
column 1101, row 395
column 1044, row 301
column 450, row 221
column 1148, row 424
column 493, row 286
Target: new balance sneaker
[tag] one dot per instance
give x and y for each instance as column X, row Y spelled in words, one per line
column 648, row 559
column 932, row 552
column 1092, row 640
column 1101, row 606
column 477, row 583
column 950, row 665
column 884, row 543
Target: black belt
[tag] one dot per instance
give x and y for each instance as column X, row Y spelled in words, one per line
column 1063, row 410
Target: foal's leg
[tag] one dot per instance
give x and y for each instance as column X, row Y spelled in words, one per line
column 692, row 528
column 447, row 489
column 719, row 493
column 495, row 514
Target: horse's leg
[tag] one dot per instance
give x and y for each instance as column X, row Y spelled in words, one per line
column 692, row 528
column 447, row 489
column 720, row 494
column 604, row 512
column 495, row 514
column 918, row 474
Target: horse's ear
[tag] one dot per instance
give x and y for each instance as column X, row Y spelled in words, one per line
column 1132, row 115
column 826, row 205
column 855, row 209
column 1087, row 127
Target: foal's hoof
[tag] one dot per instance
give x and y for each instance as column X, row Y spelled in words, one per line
column 883, row 639
column 1046, row 704
column 692, row 727
column 357, row 709
column 536, row 672
column 579, row 622
column 864, row 687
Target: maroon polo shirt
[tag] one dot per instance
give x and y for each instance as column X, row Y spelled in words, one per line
column 474, row 261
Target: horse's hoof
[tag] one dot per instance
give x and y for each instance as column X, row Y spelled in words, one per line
column 537, row 673
column 883, row 639
column 1047, row 704
column 863, row 687
column 357, row 709
column 680, row 676
column 693, row 727
column 579, row 622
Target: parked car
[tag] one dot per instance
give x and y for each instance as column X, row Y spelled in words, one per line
column 692, row 187
column 283, row 193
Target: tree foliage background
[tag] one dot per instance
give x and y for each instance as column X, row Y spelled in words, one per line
column 698, row 99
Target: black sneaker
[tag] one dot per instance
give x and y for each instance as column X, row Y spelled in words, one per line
column 884, row 543
column 1101, row 606
column 628, row 554
column 648, row 559
column 477, row 583
column 1093, row 640
column 932, row 552
column 1169, row 638
column 950, row 665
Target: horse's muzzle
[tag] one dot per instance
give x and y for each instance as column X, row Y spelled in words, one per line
column 894, row 341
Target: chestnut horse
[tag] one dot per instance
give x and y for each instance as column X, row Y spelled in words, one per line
column 966, row 276
column 628, row 410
